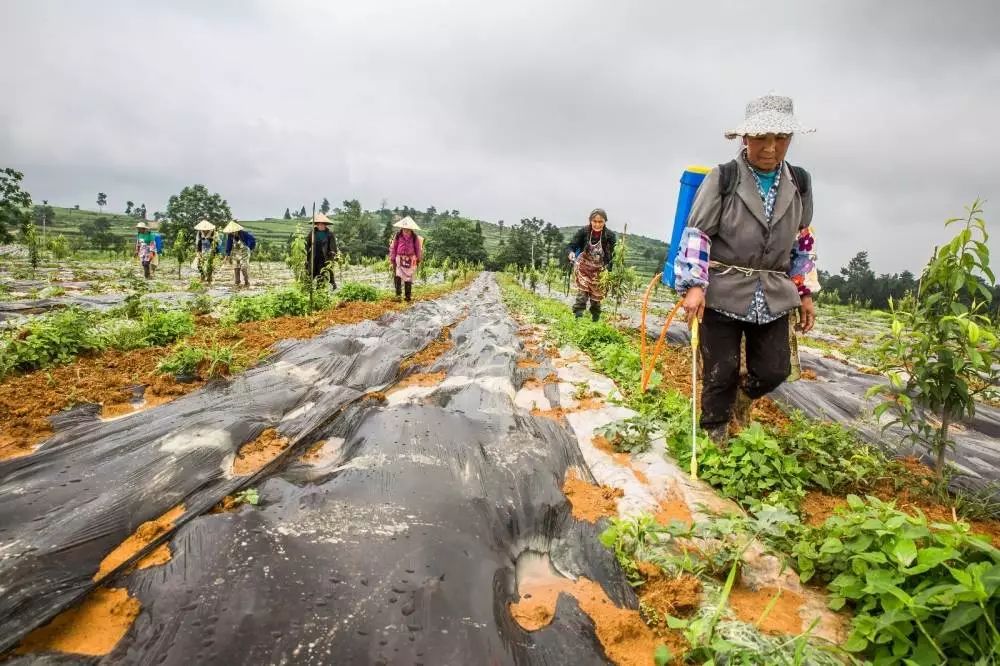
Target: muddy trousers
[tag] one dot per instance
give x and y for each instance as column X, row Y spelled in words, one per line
column 401, row 286
column 768, row 363
column 246, row 275
column 580, row 304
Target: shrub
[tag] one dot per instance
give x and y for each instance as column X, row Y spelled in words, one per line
column 921, row 593
column 122, row 334
column 161, row 327
column 183, row 360
column 49, row 340
column 201, row 304
column 353, row 291
column 289, row 302
column 249, row 308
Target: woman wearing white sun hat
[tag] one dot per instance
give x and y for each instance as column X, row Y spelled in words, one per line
column 746, row 262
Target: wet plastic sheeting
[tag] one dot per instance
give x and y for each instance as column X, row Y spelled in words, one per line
column 91, row 485
column 839, row 394
column 402, row 551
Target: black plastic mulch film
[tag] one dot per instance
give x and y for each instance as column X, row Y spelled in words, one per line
column 400, row 548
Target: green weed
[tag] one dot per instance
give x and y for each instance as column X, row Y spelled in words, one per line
column 921, row 593
column 353, row 291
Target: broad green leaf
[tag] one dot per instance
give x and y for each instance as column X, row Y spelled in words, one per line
column 932, row 557
column 905, row 551
column 973, row 331
column 960, row 616
column 676, row 622
column 855, row 643
column 832, row 546
column 991, row 580
column 855, row 503
column 662, row 656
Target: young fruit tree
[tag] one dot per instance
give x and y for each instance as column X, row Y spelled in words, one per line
column 621, row 280
column 180, row 250
column 943, row 351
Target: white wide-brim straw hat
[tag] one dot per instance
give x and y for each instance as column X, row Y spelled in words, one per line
column 770, row 114
column 204, row 225
column 407, row 223
column 320, row 218
column 142, row 225
column 232, row 228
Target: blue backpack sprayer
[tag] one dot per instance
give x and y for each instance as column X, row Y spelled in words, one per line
column 691, row 180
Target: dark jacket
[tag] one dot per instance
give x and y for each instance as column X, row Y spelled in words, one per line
column 326, row 248
column 608, row 240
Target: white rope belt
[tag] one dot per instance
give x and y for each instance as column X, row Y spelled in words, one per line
column 749, row 272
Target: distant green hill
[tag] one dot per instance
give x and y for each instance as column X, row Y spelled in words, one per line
column 646, row 254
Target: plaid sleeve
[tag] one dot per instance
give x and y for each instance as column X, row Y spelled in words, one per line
column 803, row 268
column 691, row 263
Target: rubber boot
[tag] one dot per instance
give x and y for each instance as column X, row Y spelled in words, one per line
column 595, row 310
column 236, row 273
column 719, row 434
column 741, row 410
column 409, row 291
column 246, row 277
column 399, row 287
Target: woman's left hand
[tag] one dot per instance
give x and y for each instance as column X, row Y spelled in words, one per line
column 807, row 315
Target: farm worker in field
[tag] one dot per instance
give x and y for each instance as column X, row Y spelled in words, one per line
column 145, row 248
column 158, row 243
column 238, row 252
column 747, row 262
column 321, row 249
column 406, row 250
column 204, row 244
column 590, row 251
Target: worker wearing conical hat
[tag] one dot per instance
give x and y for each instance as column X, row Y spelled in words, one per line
column 321, row 249
column 145, row 248
column 238, row 252
column 204, row 248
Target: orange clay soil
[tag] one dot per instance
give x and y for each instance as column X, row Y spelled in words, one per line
column 626, row 639
column 602, row 444
column 528, row 363
column 27, row 400
column 226, row 505
column 557, row 413
column 313, row 453
column 141, row 538
column 253, row 455
column 418, row 379
column 431, row 352
column 590, row 502
column 92, row 628
column 674, row 508
column 749, row 605
column 667, row 595
column 808, row 374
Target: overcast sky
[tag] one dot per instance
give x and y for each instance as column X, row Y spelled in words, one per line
column 506, row 109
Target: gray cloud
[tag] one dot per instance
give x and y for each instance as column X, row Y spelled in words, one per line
column 506, row 110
